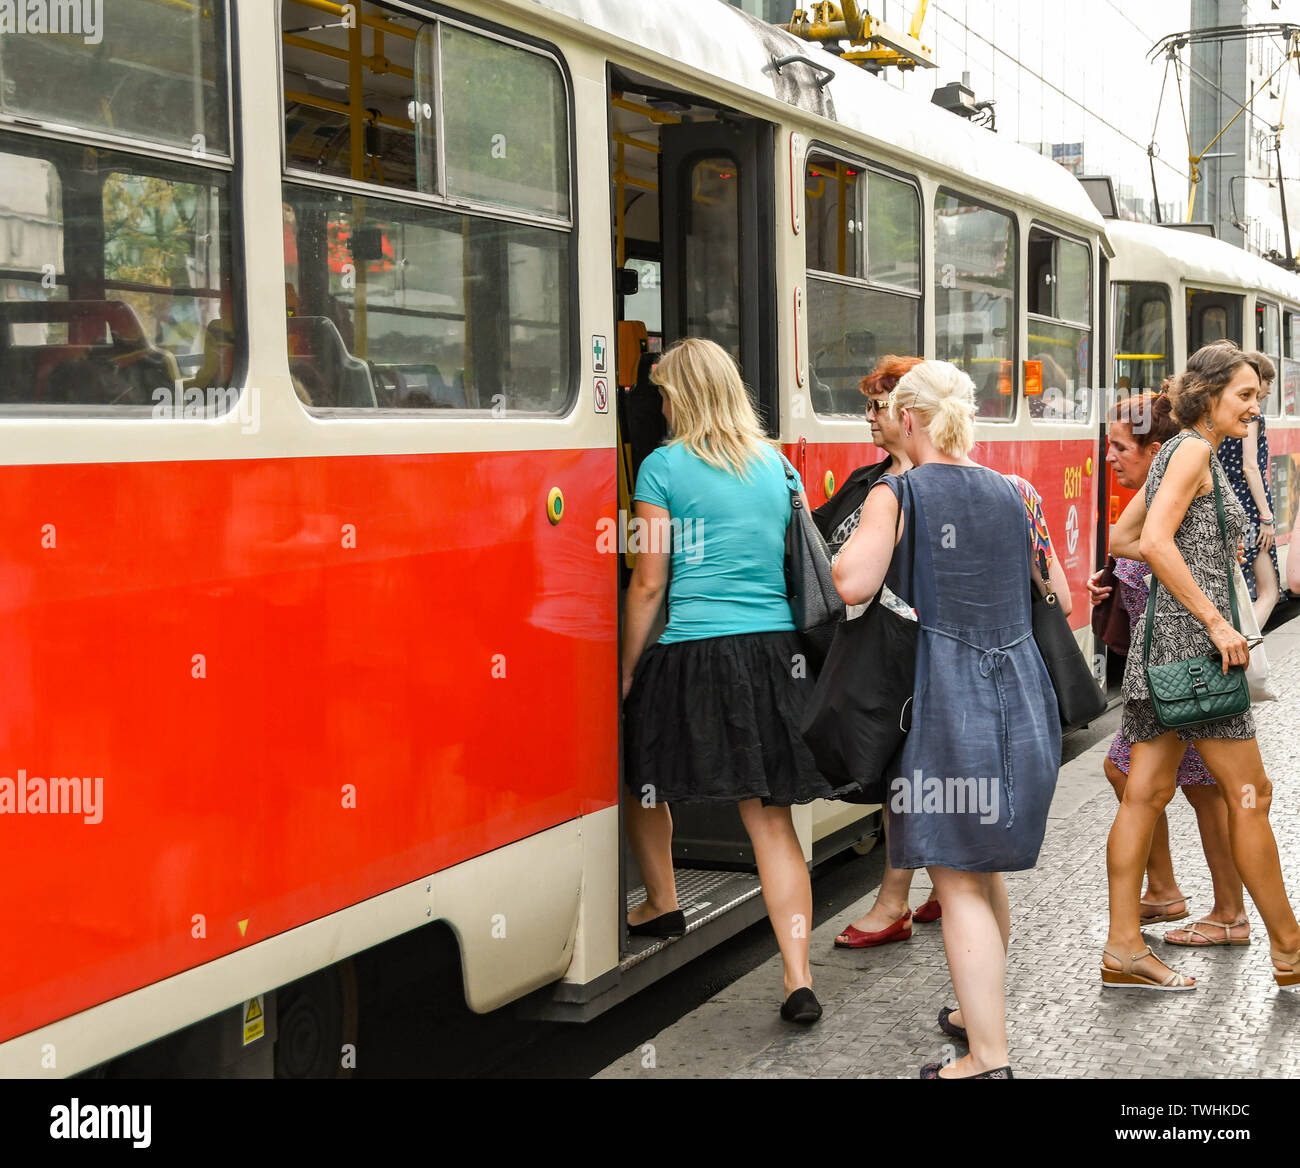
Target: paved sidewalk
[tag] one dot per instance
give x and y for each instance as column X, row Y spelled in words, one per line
column 881, row 1004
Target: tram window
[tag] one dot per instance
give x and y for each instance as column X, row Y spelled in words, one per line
column 647, row 305
column 156, row 72
column 1268, row 340
column 1214, row 324
column 114, row 280
column 854, row 321
column 1060, row 291
column 1143, row 337
column 506, row 124
column 849, row 329
column 395, row 306
column 893, row 232
column 833, row 198
column 712, row 246
column 500, row 110
column 1290, row 395
column 975, row 314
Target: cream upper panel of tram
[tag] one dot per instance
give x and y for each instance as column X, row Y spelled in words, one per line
column 722, row 44
column 1145, row 251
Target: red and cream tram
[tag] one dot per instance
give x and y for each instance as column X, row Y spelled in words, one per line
column 1173, row 291
column 318, row 324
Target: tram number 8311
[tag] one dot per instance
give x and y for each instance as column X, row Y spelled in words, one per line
column 1073, row 482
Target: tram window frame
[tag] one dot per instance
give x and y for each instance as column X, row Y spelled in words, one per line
column 1055, row 236
column 862, row 283
column 1017, row 376
column 569, row 319
column 143, row 143
column 1273, row 402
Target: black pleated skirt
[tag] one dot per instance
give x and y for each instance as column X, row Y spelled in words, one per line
column 716, row 720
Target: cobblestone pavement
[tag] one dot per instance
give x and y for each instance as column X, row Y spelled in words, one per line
column 881, row 1004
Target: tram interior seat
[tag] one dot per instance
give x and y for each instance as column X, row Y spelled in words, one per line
column 314, row 342
column 105, row 360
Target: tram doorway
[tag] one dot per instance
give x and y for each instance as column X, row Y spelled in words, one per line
column 692, row 204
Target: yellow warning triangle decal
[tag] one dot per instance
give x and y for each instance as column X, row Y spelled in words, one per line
column 254, row 1011
column 243, row 926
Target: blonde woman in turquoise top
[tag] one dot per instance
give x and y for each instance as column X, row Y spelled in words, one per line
column 712, row 710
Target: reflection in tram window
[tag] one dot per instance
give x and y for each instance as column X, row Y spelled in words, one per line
column 1143, row 337
column 116, row 278
column 1060, row 339
column 859, row 221
column 975, row 281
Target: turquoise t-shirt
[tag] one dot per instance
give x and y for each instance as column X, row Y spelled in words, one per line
column 728, row 543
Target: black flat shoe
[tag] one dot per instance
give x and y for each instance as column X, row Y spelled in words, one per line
column 931, row 1071
column 802, row 1006
column 951, row 1028
column 670, row 924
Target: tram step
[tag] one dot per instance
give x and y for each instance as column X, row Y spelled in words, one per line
column 717, row 906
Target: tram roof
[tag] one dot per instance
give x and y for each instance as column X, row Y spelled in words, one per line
column 723, row 42
column 1147, row 250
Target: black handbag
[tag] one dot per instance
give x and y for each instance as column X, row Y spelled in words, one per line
column 1189, row 692
column 858, row 715
column 815, row 605
column 1079, row 698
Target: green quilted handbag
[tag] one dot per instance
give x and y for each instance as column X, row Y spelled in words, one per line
column 1186, row 693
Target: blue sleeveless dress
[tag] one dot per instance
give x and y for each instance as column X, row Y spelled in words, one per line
column 977, row 772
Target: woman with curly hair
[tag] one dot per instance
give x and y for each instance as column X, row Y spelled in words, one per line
column 1216, row 397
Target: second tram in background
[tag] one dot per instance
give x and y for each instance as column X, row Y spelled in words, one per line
column 1174, row 290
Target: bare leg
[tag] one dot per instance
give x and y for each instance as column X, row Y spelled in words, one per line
column 1149, row 788
column 650, row 835
column 1162, row 885
column 975, row 942
column 1002, row 911
column 1266, row 588
column 1239, row 771
column 891, row 900
column 787, row 888
column 1229, row 904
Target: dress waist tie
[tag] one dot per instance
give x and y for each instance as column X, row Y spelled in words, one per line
column 991, row 665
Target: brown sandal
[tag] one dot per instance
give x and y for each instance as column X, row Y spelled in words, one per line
column 1128, row 978
column 1196, row 930
column 1161, row 915
column 1291, row 976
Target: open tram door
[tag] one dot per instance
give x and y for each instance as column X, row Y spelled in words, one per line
column 693, row 216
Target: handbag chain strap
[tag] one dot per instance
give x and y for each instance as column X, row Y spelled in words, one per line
column 1155, row 581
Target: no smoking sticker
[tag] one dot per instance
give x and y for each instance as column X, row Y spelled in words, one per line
column 602, row 395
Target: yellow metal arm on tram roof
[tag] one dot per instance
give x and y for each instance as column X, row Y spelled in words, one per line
column 872, row 42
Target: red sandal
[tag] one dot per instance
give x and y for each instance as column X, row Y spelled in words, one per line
column 930, row 911
column 853, row 938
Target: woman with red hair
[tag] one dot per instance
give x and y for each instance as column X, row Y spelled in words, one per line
column 890, row 918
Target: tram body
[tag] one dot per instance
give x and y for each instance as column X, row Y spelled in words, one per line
column 1173, row 291
column 340, row 640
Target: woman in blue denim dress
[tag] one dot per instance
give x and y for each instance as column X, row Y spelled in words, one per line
column 978, row 769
